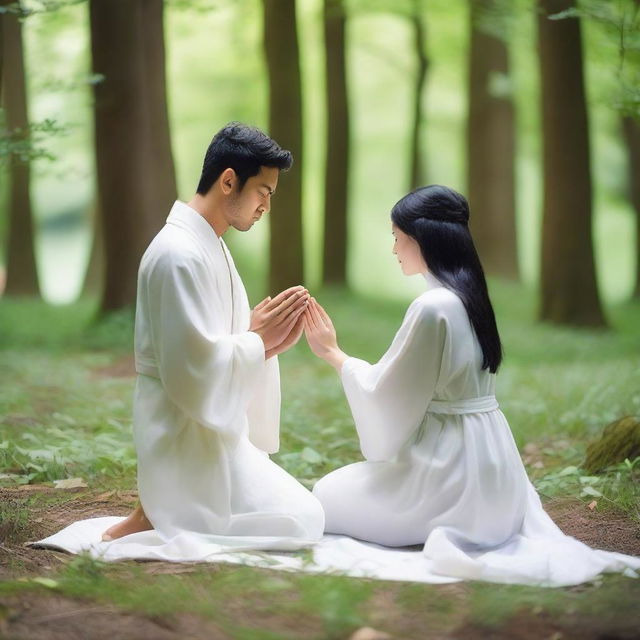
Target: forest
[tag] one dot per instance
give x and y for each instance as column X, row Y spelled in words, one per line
column 530, row 108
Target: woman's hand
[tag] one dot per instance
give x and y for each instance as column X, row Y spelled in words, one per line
column 321, row 335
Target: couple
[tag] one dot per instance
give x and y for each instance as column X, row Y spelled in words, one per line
column 441, row 467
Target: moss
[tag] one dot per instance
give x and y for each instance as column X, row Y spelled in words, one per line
column 620, row 440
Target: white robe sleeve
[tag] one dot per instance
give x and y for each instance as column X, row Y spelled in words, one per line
column 388, row 400
column 208, row 373
column 264, row 409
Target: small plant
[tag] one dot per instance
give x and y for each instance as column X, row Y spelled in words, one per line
column 14, row 519
column 618, row 485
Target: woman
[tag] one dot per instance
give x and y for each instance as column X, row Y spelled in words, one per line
column 441, row 466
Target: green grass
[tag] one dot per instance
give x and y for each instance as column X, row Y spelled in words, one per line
column 558, row 387
column 60, row 418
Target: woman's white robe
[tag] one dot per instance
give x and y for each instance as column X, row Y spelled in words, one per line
column 442, row 469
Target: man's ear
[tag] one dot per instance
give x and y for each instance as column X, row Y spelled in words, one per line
column 228, row 180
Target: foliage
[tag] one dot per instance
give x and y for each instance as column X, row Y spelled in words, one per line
column 26, row 8
column 620, row 21
column 619, row 486
column 29, row 144
column 14, row 518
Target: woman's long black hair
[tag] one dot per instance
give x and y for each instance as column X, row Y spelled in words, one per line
column 437, row 217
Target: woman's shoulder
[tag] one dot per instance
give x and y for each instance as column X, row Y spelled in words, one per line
column 435, row 302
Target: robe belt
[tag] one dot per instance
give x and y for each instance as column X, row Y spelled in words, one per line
column 483, row 404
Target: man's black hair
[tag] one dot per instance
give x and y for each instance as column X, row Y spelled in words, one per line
column 244, row 149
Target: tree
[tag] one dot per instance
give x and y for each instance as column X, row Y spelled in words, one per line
column 568, row 278
column 285, row 126
column 22, row 277
column 337, row 158
column 491, row 144
column 631, row 130
column 135, row 176
column 417, row 166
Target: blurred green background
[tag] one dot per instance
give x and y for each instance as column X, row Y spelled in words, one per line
column 216, row 73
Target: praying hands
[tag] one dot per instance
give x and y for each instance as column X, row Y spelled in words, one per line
column 321, row 335
column 279, row 321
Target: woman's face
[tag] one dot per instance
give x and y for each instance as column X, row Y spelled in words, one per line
column 408, row 252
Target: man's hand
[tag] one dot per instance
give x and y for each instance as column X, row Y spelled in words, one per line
column 274, row 319
column 290, row 340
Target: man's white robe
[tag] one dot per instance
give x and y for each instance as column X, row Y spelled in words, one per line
column 206, row 415
column 207, row 405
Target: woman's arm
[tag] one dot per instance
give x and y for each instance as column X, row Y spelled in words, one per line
column 388, row 399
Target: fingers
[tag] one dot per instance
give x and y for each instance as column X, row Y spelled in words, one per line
column 297, row 330
column 293, row 302
column 291, row 339
column 283, row 295
column 311, row 317
column 315, row 313
column 292, row 319
column 262, row 303
column 308, row 327
column 323, row 313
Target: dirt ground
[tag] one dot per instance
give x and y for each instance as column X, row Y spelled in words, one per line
column 36, row 615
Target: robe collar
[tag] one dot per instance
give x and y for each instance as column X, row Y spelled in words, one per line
column 182, row 215
column 432, row 281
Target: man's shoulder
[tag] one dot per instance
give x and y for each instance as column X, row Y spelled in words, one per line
column 172, row 248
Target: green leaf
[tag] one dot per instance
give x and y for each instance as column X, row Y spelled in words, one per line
column 590, row 491
column 311, row 455
column 589, row 479
column 46, row 582
column 568, row 471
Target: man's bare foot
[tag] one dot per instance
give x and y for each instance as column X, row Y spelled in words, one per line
column 136, row 521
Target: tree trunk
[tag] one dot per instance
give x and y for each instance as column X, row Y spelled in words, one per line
column 94, row 276
column 417, row 170
column 136, row 183
column 491, row 149
column 22, row 276
column 285, row 126
column 568, row 278
column 163, row 190
column 631, row 129
column 337, row 158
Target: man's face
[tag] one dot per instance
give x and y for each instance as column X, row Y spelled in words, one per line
column 247, row 206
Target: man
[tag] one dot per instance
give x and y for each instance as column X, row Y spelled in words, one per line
column 207, row 398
